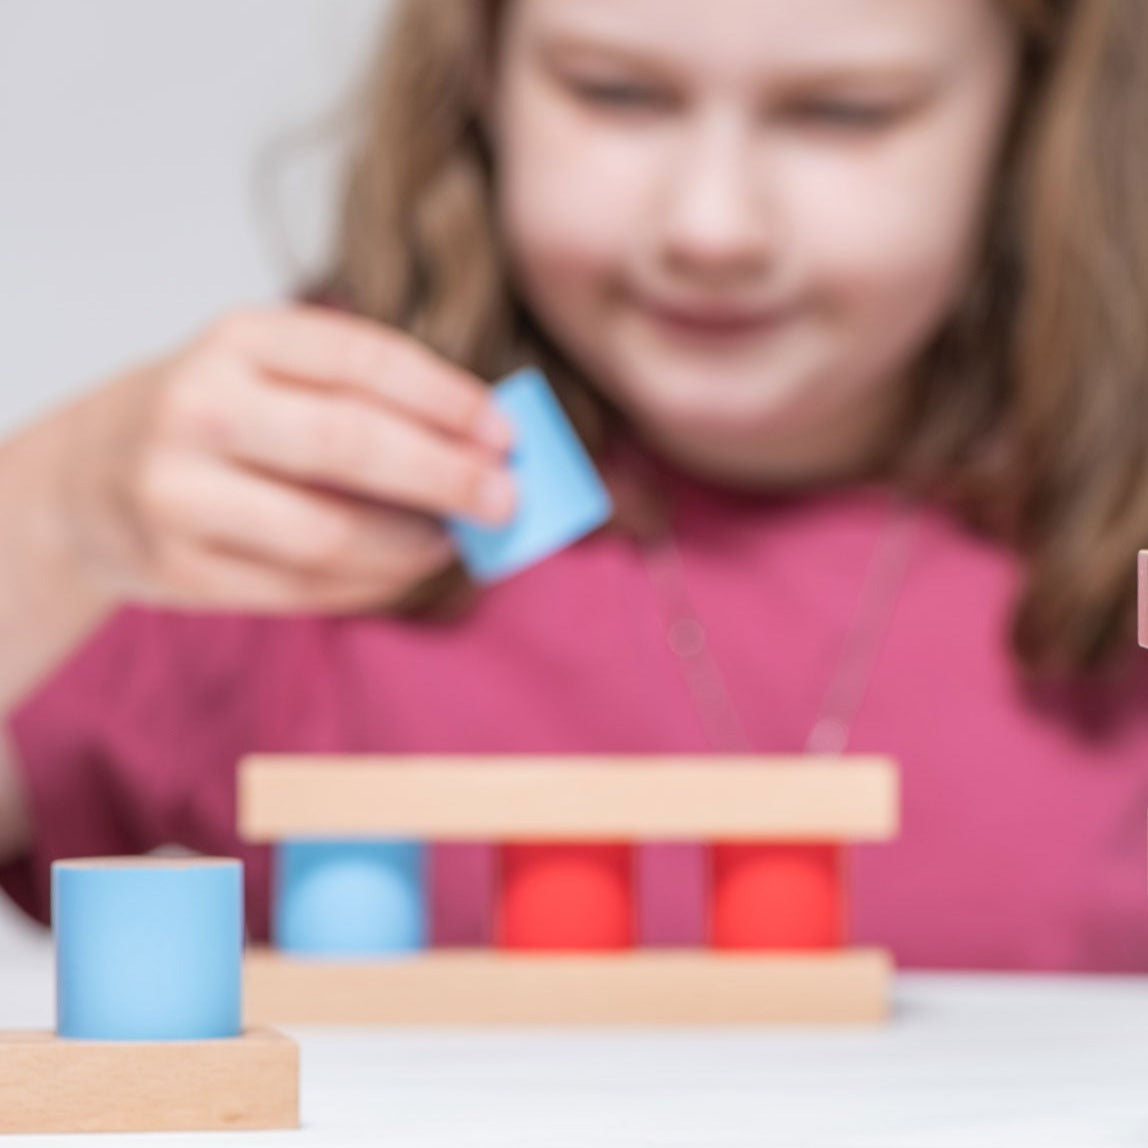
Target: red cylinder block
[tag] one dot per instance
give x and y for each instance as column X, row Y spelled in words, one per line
column 776, row 896
column 566, row 896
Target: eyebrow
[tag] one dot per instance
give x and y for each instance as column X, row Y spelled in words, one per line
column 813, row 77
column 556, row 45
column 884, row 75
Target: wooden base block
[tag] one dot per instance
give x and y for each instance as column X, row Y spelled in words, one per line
column 48, row 1084
column 480, row 987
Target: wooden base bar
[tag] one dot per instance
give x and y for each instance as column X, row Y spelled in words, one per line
column 478, row 987
column 49, row 1084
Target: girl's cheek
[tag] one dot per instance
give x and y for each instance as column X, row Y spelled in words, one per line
column 571, row 192
column 551, row 236
column 889, row 261
column 891, row 296
column 897, row 231
column 582, row 199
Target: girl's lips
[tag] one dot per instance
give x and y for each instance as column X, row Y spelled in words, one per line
column 714, row 322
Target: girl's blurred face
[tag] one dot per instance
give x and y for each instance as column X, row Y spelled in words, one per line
column 744, row 218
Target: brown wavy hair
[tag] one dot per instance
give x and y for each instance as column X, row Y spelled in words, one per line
column 1029, row 412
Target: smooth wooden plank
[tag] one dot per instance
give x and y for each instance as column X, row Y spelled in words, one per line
column 48, row 1084
column 592, row 798
column 477, row 987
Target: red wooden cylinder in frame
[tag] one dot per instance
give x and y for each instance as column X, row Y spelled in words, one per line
column 776, row 896
column 565, row 896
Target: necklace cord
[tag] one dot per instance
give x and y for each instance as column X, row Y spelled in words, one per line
column 845, row 691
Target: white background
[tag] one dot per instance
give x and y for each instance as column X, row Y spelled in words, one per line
column 132, row 134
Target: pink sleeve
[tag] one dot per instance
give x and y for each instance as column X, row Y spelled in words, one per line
column 132, row 742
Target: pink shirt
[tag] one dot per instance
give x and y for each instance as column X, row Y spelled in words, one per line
column 1024, row 815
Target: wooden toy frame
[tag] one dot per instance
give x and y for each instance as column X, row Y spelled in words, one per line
column 507, row 798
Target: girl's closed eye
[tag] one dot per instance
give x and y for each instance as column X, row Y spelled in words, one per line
column 852, row 107
column 849, row 115
column 623, row 95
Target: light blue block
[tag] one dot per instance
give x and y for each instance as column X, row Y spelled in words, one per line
column 148, row 949
column 560, row 496
column 350, row 898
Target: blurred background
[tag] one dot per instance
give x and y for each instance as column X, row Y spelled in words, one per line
column 159, row 163
column 134, row 142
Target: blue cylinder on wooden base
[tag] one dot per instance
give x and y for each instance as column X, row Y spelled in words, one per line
column 148, row 948
column 350, row 898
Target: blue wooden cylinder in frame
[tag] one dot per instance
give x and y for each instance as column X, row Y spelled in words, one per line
column 357, row 898
column 148, row 948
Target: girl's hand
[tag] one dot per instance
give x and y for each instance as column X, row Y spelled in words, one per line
column 289, row 459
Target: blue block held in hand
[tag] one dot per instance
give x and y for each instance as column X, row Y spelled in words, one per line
column 561, row 498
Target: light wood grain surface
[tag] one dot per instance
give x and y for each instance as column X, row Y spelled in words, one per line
column 597, row 798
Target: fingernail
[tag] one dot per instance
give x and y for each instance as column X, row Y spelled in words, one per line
column 494, row 429
column 495, row 500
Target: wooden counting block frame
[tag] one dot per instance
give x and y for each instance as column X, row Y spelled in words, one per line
column 598, row 799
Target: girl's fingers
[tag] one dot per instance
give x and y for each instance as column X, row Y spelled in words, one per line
column 199, row 577
column 323, row 347
column 305, row 531
column 338, row 440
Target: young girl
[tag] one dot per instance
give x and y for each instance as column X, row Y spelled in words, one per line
column 848, row 299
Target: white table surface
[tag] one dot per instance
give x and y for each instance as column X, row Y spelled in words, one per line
column 984, row 1061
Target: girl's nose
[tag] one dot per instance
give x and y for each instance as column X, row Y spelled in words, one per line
column 717, row 221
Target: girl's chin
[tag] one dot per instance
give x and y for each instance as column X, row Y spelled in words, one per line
column 733, row 408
